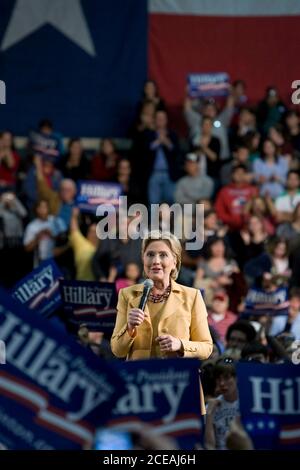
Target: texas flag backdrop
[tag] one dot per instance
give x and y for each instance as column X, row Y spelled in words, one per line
column 83, row 63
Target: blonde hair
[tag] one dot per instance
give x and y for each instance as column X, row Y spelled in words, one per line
column 171, row 241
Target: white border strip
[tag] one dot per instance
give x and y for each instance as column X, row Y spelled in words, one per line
column 226, row 7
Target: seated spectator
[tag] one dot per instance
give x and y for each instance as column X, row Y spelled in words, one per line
column 221, row 411
column 275, row 262
column 240, row 157
column 74, row 165
column 255, row 352
column 84, row 247
column 291, row 323
column 216, row 270
column 286, row 202
column 276, row 135
column 40, row 234
column 292, row 125
column 239, row 334
column 220, row 317
column 290, row 231
column 112, row 255
column 60, row 203
column 9, row 162
column 232, row 198
column 270, row 170
column 249, row 242
column 104, row 164
column 132, row 276
column 194, row 186
column 264, row 208
column 12, row 213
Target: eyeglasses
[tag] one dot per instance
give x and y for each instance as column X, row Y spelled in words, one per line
column 226, row 360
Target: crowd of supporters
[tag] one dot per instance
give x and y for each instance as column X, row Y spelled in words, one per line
column 240, row 160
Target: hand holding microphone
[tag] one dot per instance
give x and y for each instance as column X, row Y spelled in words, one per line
column 136, row 316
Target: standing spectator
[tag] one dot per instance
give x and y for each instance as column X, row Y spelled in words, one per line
column 292, row 123
column 84, row 248
column 9, row 162
column 75, row 164
column 104, row 164
column 151, row 93
column 161, row 162
column 40, row 234
column 240, row 157
column 270, row 110
column 221, row 121
column 208, row 149
column 60, row 203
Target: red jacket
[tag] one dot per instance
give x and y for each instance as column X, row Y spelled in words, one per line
column 230, row 203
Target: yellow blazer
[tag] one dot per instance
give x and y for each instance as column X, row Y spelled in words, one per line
column 183, row 316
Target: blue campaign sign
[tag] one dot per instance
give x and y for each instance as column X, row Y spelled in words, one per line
column 53, row 392
column 39, row 290
column 270, row 404
column 47, row 146
column 165, row 394
column 205, row 85
column 92, row 193
column 90, row 303
column 261, row 302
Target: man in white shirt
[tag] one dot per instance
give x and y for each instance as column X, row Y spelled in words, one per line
column 286, row 203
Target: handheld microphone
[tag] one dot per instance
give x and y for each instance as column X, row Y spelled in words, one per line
column 148, row 284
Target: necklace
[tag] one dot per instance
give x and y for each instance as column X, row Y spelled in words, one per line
column 155, row 298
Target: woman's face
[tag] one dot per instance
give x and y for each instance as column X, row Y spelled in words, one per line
column 255, row 225
column 150, row 90
column 107, row 147
column 280, row 250
column 158, row 261
column 218, row 249
column 259, row 205
column 269, row 148
column 75, row 148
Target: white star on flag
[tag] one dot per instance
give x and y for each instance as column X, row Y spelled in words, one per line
column 65, row 15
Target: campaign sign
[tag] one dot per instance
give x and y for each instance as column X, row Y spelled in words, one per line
column 90, row 303
column 48, row 146
column 260, row 302
column 269, row 397
column 165, row 395
column 92, row 193
column 53, row 392
column 205, row 85
column 39, row 290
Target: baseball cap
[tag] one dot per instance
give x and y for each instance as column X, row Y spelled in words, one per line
column 192, row 157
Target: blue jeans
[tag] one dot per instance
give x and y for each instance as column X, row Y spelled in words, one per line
column 160, row 188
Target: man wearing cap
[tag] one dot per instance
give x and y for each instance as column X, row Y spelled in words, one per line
column 220, row 318
column 194, row 186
